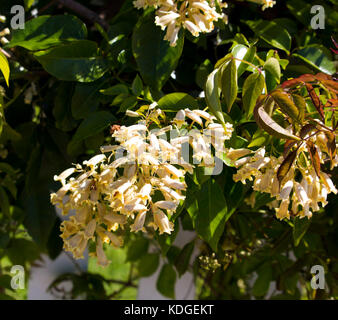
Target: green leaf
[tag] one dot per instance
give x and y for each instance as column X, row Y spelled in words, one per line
column 4, row 202
column 22, row 251
column 115, row 90
column 155, row 58
column 244, row 53
column 4, row 67
column 137, row 86
column 137, row 248
column 29, row 3
column 252, row 89
column 77, row 61
column 229, row 83
column 62, row 107
column 166, row 281
column 213, row 213
column 47, row 31
column 86, row 98
column 317, row 58
column 118, row 269
column 183, row 259
column 272, row 66
column 55, row 243
column 148, row 264
column 212, row 93
column 95, row 123
column 262, row 283
column 272, row 33
column 174, row 102
column 202, row 73
column 299, row 229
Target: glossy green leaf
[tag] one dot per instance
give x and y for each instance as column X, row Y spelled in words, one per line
column 47, row 31
column 166, row 281
column 272, row 33
column 244, row 53
column 229, row 83
column 213, row 213
column 252, row 89
column 155, row 58
column 77, row 61
column 212, row 93
column 174, row 102
column 316, row 58
column 272, row 66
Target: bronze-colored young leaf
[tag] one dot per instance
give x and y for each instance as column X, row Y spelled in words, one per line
column 286, row 104
column 331, row 85
column 314, row 155
column 286, row 165
column 315, row 99
column 229, row 83
column 331, row 145
column 306, row 130
column 300, row 103
column 269, row 125
column 289, row 144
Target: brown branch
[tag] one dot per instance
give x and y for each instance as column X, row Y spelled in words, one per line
column 84, row 12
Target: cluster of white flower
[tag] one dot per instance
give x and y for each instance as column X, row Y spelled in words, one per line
column 197, row 16
column 139, row 182
column 265, row 3
column 301, row 190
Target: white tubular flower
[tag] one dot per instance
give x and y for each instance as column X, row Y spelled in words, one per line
column 193, row 116
column 283, row 211
column 101, row 256
column 64, row 175
column 179, row 119
column 94, row 161
column 167, row 205
column 114, row 191
column 139, row 222
column 162, row 222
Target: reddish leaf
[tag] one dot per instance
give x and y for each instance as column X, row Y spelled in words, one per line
column 286, row 165
column 286, row 104
column 306, row 129
column 288, row 146
column 315, row 100
column 314, row 155
column 331, row 85
column 331, row 144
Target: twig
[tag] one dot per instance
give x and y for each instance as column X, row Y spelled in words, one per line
column 84, row 12
column 7, row 54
